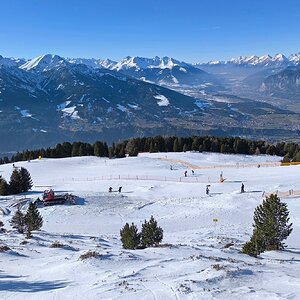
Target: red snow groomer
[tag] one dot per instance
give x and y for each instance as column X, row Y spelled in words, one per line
column 49, row 198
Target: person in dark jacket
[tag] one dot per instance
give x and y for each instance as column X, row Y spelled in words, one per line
column 242, row 188
column 120, row 189
column 207, row 190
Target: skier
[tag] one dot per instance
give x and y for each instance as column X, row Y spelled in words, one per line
column 185, row 174
column 171, row 168
column 242, row 188
column 193, row 173
column 120, row 188
column 221, row 177
column 207, row 189
column 110, row 189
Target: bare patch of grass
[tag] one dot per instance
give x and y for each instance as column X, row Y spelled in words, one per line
column 228, row 245
column 4, row 248
column 56, row 244
column 89, row 254
column 218, row 267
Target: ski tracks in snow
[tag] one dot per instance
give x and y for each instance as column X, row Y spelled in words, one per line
column 169, row 286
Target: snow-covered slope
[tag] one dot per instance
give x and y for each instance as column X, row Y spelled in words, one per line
column 44, row 63
column 203, row 235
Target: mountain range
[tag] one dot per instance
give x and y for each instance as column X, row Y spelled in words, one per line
column 51, row 99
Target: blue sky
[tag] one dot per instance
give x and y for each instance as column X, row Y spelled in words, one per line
column 190, row 30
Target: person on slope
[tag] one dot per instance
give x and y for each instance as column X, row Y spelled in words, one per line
column 207, row 189
column 242, row 188
column 185, row 174
column 120, row 189
column 221, row 177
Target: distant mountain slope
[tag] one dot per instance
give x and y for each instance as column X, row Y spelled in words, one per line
column 50, row 96
column 50, row 99
column 286, row 82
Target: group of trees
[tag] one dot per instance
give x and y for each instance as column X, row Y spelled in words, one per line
column 150, row 235
column 20, row 182
column 26, row 223
column 271, row 226
column 132, row 147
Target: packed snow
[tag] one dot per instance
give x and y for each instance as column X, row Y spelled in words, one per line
column 163, row 100
column 70, row 112
column 121, row 107
column 25, row 113
column 63, row 105
column 199, row 257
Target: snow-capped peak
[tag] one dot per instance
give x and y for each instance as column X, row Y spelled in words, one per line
column 144, row 63
column 168, row 63
column 280, row 57
column 215, row 62
column 43, row 63
column 133, row 62
column 93, row 62
column 264, row 60
column 295, row 58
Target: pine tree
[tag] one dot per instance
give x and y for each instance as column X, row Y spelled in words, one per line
column 111, row 152
column 176, row 145
column 286, row 158
column 152, row 147
column 18, row 221
column 270, row 227
column 82, row 150
column 33, row 219
column 75, row 149
column 130, row 237
column 296, row 157
column 98, row 149
column 26, row 181
column 4, row 187
column 151, row 234
column 132, row 148
column 15, row 183
column 257, row 152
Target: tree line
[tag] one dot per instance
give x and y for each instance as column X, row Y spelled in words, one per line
column 132, row 147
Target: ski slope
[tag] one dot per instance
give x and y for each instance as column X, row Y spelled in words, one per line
column 199, row 258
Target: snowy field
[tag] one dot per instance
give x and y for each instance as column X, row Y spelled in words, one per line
column 199, row 258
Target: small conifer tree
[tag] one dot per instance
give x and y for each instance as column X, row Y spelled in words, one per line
column 151, row 234
column 130, row 237
column 18, row 221
column 270, row 227
column 33, row 220
column 15, row 185
column 4, row 187
column 26, row 181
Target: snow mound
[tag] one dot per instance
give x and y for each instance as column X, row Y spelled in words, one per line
column 163, row 100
